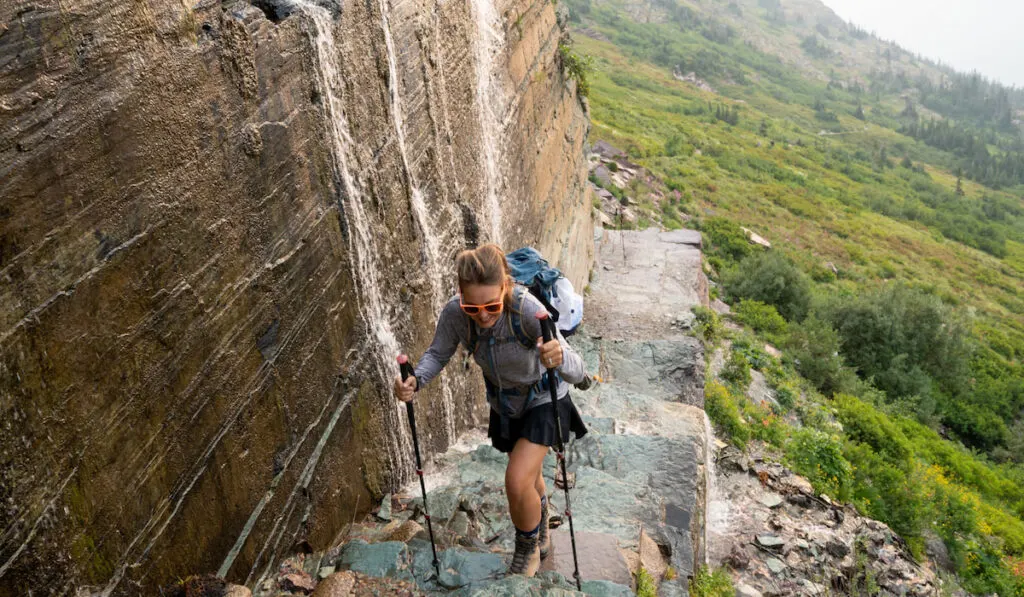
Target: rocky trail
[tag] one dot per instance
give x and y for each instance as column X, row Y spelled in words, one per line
column 638, row 476
column 651, row 487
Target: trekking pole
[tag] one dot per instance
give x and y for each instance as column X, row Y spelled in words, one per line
column 407, row 372
column 547, row 328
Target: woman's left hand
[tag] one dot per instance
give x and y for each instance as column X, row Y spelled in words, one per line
column 550, row 353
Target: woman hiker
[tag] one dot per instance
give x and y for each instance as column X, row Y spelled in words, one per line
column 495, row 319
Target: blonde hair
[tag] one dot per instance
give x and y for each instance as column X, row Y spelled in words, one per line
column 485, row 265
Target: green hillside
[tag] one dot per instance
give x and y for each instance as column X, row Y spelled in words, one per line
column 892, row 191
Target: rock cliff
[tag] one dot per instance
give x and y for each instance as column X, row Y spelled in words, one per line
column 219, row 221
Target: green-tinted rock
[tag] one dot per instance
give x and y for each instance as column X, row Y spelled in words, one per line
column 604, row 588
column 385, row 508
column 459, row 568
column 390, row 558
column 517, row 586
column 604, row 504
column 602, row 425
column 443, row 502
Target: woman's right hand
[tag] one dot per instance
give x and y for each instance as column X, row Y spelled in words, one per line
column 404, row 390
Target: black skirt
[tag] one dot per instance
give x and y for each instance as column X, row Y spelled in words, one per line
column 537, row 425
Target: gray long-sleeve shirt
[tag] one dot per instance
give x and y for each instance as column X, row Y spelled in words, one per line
column 505, row 362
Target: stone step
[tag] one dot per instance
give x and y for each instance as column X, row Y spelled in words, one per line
column 599, row 557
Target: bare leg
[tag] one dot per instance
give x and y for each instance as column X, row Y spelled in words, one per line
column 542, row 489
column 522, row 479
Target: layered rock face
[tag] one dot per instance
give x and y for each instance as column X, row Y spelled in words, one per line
column 219, row 222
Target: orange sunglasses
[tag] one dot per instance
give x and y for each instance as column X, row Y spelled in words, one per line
column 475, row 309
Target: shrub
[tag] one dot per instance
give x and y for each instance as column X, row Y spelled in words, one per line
column 772, row 279
column 708, row 325
column 711, row 583
column 765, row 425
column 577, row 67
column 813, row 348
column 759, row 316
column 725, row 239
column 863, row 423
column 724, row 412
column 786, row 394
column 737, row 371
column 819, row 457
column 901, row 337
column 885, row 492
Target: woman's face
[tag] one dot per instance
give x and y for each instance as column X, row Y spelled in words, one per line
column 483, row 294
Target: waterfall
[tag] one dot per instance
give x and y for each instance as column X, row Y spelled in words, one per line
column 363, row 251
column 491, row 102
column 435, row 271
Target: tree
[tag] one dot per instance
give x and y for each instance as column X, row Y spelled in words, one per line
column 772, row 279
column 859, row 113
column 814, row 349
column 905, row 339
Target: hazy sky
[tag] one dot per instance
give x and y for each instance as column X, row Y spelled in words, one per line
column 982, row 35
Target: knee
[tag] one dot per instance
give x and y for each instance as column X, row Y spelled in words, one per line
column 518, row 486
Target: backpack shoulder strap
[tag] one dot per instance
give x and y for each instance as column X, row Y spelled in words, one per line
column 473, row 338
column 516, row 318
column 537, row 291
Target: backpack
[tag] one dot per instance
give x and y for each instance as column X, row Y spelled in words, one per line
column 552, row 289
column 549, row 286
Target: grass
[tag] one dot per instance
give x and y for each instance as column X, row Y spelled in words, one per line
column 877, row 206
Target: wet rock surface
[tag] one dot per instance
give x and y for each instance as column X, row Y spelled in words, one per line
column 779, row 538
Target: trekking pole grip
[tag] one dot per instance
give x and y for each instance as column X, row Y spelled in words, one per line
column 545, row 326
column 407, row 371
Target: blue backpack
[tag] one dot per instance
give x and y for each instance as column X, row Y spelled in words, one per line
column 553, row 290
column 530, row 270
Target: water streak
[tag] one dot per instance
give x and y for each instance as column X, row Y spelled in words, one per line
column 491, row 101
column 363, row 250
column 435, row 271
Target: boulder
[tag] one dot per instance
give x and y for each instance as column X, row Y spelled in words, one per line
column 406, row 531
column 339, row 584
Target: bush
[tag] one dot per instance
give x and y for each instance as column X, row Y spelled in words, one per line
column 765, row 425
column 759, row 316
column 813, row 348
column 724, row 412
column 711, row 583
column 708, row 325
column 863, row 424
column 772, row 279
column 885, row 492
column 577, row 67
column 737, row 371
column 896, row 334
column 725, row 238
column 819, row 457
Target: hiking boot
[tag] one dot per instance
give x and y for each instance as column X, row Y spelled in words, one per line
column 543, row 538
column 526, row 559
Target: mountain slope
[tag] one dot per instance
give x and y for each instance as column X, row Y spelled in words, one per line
column 892, row 183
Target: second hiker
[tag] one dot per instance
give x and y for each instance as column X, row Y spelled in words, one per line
column 495, row 319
